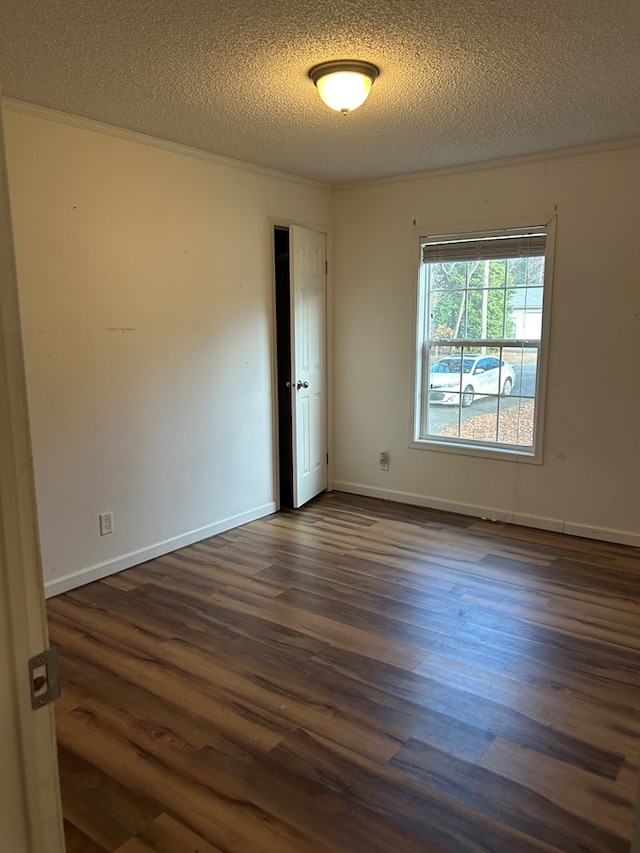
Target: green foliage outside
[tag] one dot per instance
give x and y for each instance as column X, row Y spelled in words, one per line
column 469, row 300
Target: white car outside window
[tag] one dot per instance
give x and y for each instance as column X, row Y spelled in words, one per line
column 455, row 380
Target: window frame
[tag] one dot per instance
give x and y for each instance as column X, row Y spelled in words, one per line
column 464, row 446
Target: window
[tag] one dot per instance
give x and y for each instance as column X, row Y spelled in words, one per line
column 479, row 342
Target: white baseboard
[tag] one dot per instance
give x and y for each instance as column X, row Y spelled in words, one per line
column 607, row 534
column 134, row 558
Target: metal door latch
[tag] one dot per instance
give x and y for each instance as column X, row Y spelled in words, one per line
column 44, row 678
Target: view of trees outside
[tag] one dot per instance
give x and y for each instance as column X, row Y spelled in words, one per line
column 477, row 299
column 485, row 303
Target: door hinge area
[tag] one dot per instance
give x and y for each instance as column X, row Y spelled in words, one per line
column 44, row 678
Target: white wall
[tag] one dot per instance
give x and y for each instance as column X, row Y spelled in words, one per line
column 145, row 279
column 588, row 482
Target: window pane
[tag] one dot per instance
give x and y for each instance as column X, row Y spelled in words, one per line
column 534, row 271
column 446, row 314
column 480, row 421
column 524, row 363
column 517, row 421
column 526, row 313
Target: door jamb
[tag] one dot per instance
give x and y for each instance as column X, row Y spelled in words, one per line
column 20, row 559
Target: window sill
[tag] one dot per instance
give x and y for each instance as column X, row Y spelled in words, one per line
column 499, row 454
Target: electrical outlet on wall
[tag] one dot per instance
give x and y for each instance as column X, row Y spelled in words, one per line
column 106, row 523
column 383, row 460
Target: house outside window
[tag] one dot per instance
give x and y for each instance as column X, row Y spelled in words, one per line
column 481, row 329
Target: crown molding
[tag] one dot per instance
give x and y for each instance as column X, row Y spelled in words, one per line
column 13, row 105
column 36, row 111
column 498, row 163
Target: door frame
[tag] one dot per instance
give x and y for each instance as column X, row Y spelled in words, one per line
column 279, row 222
column 22, row 605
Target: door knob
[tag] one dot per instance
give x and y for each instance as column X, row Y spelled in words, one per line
column 302, row 384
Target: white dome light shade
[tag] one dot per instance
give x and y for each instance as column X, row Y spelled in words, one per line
column 344, row 84
column 344, row 90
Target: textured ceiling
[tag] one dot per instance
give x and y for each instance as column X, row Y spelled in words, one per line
column 461, row 81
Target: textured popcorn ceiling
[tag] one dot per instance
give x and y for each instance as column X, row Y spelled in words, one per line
column 461, row 81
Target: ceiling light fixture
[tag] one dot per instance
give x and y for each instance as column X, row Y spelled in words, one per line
column 344, row 84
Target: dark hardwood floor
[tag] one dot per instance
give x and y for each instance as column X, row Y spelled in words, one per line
column 355, row 676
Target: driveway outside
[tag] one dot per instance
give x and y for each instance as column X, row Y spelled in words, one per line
column 441, row 417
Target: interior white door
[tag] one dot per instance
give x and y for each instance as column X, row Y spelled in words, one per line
column 308, row 257
column 30, row 810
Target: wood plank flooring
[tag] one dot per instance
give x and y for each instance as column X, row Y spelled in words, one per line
column 356, row 676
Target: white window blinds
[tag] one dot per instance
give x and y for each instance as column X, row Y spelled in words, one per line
column 446, row 249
